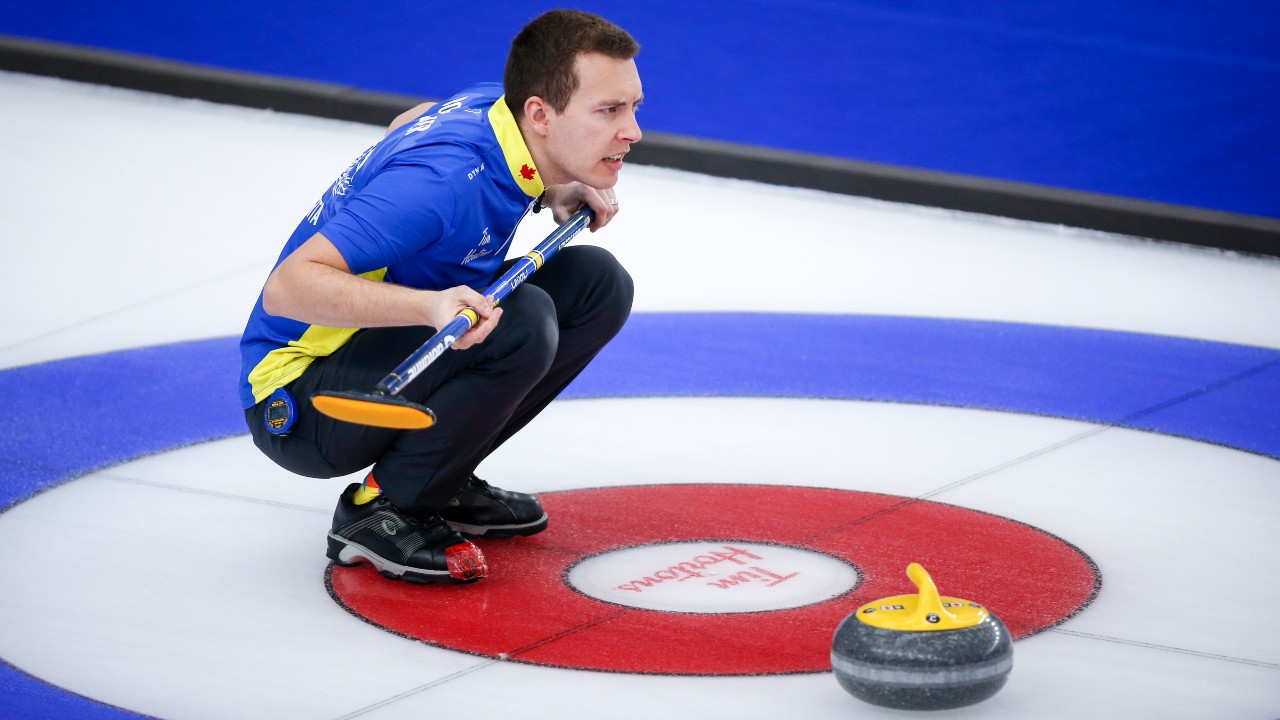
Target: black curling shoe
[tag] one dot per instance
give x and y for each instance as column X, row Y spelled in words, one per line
column 482, row 510
column 401, row 547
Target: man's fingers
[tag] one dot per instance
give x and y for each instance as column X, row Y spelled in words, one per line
column 480, row 331
column 469, row 298
column 604, row 203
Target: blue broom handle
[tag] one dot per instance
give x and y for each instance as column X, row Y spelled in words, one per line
column 432, row 349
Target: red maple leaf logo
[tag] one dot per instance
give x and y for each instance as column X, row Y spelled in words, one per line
column 527, row 172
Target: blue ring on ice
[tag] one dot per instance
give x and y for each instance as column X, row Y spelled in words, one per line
column 68, row 418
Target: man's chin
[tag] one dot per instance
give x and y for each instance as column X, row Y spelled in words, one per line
column 604, row 178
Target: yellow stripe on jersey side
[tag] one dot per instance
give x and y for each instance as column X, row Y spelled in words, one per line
column 284, row 365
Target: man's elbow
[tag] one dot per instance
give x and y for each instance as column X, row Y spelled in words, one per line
column 292, row 286
column 275, row 297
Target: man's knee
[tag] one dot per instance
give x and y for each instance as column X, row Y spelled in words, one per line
column 528, row 328
column 622, row 288
column 611, row 289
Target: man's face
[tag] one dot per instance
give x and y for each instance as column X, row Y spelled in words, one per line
column 588, row 140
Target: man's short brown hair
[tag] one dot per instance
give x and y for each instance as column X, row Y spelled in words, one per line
column 541, row 61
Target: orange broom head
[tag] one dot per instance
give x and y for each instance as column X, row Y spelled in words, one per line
column 383, row 411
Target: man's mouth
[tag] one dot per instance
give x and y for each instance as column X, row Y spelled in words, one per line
column 615, row 158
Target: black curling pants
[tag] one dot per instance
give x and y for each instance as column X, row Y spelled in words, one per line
column 551, row 327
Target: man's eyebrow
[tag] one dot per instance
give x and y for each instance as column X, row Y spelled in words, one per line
column 615, row 102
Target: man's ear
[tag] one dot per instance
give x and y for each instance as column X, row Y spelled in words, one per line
column 537, row 113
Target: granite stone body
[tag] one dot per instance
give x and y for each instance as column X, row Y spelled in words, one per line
column 922, row 670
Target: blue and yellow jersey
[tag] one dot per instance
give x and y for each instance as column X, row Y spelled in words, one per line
column 433, row 205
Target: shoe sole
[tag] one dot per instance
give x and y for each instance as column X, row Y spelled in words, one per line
column 345, row 553
column 500, row 531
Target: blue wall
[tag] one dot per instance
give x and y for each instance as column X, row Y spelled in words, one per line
column 1175, row 101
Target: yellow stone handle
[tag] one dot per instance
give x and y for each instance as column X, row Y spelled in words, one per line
column 929, row 602
column 924, row 611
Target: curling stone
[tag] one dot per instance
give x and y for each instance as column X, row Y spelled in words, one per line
column 922, row 652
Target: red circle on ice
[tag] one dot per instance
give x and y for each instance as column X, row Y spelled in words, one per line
column 528, row 611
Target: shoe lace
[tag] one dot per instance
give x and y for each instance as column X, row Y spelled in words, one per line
column 415, row 523
column 480, row 486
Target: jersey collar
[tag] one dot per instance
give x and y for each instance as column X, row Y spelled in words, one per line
column 519, row 161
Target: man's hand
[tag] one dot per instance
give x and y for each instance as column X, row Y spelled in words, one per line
column 446, row 304
column 411, row 114
column 564, row 200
